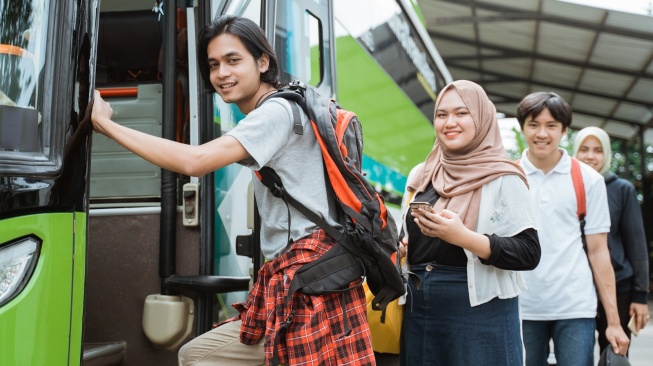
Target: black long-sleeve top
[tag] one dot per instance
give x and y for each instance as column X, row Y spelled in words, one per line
column 627, row 241
column 519, row 253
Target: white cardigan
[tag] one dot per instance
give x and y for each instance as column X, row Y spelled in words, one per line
column 506, row 210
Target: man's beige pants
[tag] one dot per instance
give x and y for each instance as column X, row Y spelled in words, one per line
column 221, row 346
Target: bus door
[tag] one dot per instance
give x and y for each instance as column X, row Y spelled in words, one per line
column 45, row 89
column 148, row 274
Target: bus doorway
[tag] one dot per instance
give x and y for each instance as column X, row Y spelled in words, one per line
column 150, row 281
column 169, row 240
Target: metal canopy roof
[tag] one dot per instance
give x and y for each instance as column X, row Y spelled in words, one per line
column 600, row 61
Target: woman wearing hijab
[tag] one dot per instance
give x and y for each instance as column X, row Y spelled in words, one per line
column 626, row 241
column 462, row 306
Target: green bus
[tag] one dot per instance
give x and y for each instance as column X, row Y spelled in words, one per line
column 106, row 259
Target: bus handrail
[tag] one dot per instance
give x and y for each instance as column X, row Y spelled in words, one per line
column 128, row 211
column 124, row 92
column 8, row 49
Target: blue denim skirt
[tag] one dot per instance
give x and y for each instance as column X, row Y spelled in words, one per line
column 441, row 328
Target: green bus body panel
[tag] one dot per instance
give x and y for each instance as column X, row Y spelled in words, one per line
column 396, row 132
column 43, row 324
column 79, row 281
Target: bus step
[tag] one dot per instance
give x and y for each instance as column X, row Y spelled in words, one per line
column 103, row 354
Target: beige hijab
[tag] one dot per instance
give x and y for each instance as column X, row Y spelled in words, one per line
column 459, row 176
column 603, row 138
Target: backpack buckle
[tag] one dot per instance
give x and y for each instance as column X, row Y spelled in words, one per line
column 277, row 190
column 296, row 85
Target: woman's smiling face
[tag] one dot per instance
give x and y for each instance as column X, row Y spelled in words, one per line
column 591, row 153
column 454, row 125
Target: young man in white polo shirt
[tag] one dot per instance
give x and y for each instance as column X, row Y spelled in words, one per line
column 561, row 303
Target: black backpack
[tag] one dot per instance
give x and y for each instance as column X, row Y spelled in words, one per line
column 369, row 238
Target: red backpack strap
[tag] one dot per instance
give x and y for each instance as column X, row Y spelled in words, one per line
column 579, row 187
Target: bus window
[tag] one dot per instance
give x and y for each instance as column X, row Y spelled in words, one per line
column 247, row 9
column 289, row 43
column 22, row 53
column 314, row 57
column 302, row 44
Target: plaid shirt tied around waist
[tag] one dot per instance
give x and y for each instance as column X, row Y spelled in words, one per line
column 316, row 333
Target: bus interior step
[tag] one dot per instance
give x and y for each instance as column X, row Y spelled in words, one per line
column 104, row 354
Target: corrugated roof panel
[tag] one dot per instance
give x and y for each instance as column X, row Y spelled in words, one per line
column 620, row 51
column 649, row 69
column 565, row 41
column 443, row 9
column 454, row 49
column 535, row 87
column 514, row 67
column 640, row 23
column 580, row 121
column 555, row 72
column 464, row 30
column 643, row 90
column 529, row 5
column 468, row 63
column 606, row 82
column 633, row 112
column 517, row 34
column 602, row 106
column 572, row 11
column 620, row 129
column 464, row 74
column 509, row 109
column 515, row 90
column 490, row 53
column 563, row 47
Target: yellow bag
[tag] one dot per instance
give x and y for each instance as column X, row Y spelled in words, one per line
column 385, row 336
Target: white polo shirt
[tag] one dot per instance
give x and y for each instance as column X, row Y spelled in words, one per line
column 561, row 287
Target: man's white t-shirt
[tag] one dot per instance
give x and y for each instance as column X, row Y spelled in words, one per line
column 562, row 287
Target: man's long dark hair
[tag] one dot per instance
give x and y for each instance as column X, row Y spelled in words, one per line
column 252, row 37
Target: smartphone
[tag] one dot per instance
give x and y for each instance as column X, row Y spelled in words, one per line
column 425, row 205
column 631, row 326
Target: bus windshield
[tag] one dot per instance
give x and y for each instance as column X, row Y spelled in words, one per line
column 23, row 28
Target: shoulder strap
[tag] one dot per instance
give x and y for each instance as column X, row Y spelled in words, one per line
column 291, row 96
column 579, row 187
column 270, row 179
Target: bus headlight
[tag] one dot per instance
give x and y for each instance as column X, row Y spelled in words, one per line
column 17, row 262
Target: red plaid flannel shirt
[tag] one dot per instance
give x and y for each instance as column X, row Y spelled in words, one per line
column 315, row 335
